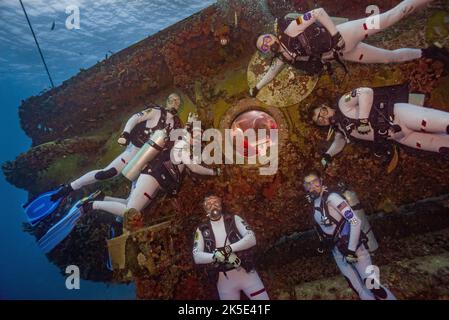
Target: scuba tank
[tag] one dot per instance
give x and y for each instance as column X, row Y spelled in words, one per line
column 148, row 152
column 352, row 199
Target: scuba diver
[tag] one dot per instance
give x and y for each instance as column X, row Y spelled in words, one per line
column 310, row 41
column 163, row 173
column 224, row 247
column 136, row 132
column 339, row 230
column 383, row 115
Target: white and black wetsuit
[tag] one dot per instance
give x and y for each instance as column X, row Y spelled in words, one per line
column 161, row 174
column 420, row 127
column 340, row 228
column 353, row 33
column 139, row 126
column 234, row 231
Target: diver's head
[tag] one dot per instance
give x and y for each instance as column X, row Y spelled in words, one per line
column 313, row 184
column 212, row 205
column 173, row 103
column 322, row 116
column 267, row 43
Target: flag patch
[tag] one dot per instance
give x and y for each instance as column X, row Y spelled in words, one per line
column 342, row 205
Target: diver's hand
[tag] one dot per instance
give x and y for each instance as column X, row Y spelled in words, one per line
column 363, row 127
column 219, row 256
column 338, row 43
column 253, row 91
column 350, row 256
column 124, row 139
column 326, row 160
column 234, row 260
column 226, row 250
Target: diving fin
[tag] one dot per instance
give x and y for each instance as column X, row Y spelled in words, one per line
column 64, row 227
column 41, row 206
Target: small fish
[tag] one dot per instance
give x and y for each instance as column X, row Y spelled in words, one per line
column 53, row 26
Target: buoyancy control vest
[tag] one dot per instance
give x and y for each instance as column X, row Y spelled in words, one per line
column 233, row 235
column 313, row 41
column 340, row 236
column 381, row 116
column 141, row 133
column 165, row 171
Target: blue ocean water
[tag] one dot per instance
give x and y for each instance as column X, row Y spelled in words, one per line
column 106, row 26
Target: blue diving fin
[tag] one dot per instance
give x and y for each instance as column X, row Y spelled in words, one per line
column 64, row 227
column 109, row 261
column 41, row 207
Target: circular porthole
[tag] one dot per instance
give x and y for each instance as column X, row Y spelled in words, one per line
column 252, row 115
column 260, row 123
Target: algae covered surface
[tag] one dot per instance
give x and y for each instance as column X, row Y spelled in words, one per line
column 212, row 81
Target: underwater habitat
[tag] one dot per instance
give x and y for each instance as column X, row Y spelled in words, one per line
column 226, row 150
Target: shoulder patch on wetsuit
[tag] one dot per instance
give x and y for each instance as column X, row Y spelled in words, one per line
column 196, row 241
column 348, row 214
column 247, row 227
column 145, row 112
column 352, row 219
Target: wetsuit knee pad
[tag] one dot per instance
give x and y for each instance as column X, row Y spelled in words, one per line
column 379, row 293
column 106, row 174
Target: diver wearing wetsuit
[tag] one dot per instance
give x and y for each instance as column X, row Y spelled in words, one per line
column 339, row 229
column 375, row 115
column 223, row 247
column 137, row 131
column 311, row 40
column 164, row 173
